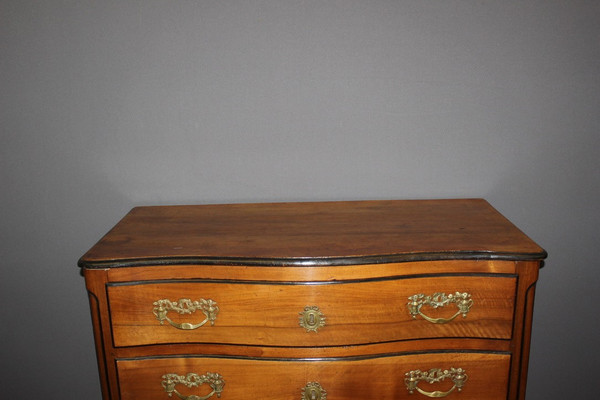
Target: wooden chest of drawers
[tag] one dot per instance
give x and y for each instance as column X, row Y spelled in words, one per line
column 309, row 301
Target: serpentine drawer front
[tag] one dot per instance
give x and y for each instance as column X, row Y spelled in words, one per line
column 339, row 300
column 344, row 312
column 472, row 376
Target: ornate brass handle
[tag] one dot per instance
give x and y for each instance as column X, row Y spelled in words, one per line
column 312, row 318
column 185, row 306
column 462, row 300
column 214, row 380
column 457, row 375
column 313, row 391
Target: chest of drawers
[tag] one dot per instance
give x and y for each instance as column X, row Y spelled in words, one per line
column 313, row 301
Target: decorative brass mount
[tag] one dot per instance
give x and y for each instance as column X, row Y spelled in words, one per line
column 185, row 306
column 214, row 380
column 457, row 375
column 462, row 300
column 313, row 391
column 312, row 319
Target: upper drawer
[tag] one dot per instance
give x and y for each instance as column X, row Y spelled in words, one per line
column 313, row 313
column 461, row 376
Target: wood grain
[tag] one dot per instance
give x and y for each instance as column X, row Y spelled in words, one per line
column 372, row 378
column 322, row 233
column 310, row 273
column 356, row 312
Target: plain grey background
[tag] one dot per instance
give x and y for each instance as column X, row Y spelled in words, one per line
column 105, row 105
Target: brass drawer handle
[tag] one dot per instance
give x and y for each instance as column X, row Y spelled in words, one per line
column 312, row 318
column 463, row 302
column 186, row 306
column 457, row 375
column 313, row 391
column 214, row 380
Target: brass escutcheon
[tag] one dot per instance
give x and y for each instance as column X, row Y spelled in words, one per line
column 312, row 319
column 313, row 391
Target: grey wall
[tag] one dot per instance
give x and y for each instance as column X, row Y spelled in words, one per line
column 105, row 105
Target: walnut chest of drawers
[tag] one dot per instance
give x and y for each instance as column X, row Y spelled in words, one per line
column 407, row 299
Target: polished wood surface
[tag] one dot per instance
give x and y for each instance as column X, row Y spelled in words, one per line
column 263, row 264
column 316, row 233
column 310, row 273
column 268, row 313
column 343, row 379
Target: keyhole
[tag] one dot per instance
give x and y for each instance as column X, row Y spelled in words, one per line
column 313, row 391
column 311, row 319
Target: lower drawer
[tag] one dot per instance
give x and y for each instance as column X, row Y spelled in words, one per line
column 465, row 376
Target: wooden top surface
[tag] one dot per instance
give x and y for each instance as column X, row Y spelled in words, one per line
column 320, row 233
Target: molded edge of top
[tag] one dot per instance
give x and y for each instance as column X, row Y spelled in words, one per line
column 312, row 261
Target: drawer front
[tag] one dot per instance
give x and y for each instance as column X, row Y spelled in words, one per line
column 312, row 314
column 464, row 376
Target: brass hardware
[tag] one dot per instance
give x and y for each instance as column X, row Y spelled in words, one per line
column 186, row 306
column 312, row 318
column 462, row 300
column 457, row 375
column 313, row 391
column 214, row 380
